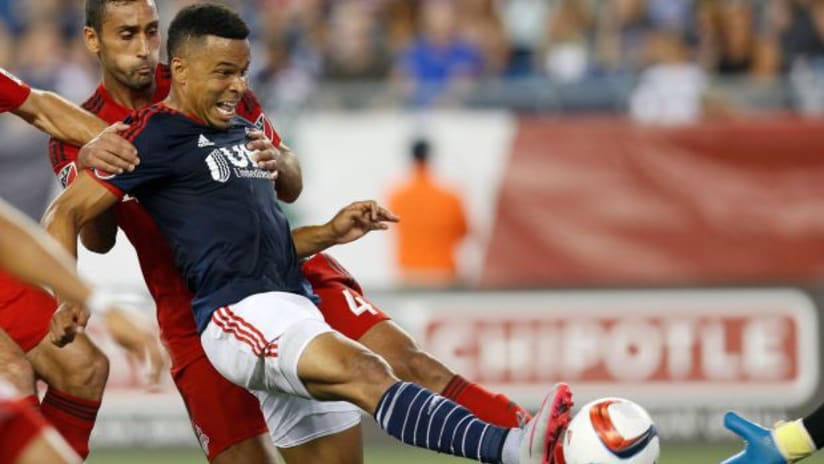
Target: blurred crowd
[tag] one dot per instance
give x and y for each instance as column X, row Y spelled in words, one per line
column 426, row 47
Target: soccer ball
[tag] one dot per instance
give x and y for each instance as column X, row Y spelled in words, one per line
column 611, row 431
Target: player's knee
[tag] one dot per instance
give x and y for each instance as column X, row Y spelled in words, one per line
column 18, row 372
column 425, row 370
column 90, row 376
column 370, row 369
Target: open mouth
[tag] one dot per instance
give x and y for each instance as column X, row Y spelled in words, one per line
column 227, row 110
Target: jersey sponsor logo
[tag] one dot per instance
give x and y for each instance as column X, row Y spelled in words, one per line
column 67, row 175
column 202, row 438
column 202, row 141
column 218, row 167
column 236, row 159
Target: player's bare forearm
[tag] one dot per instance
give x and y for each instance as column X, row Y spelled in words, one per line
column 312, row 239
column 290, row 178
column 59, row 118
column 350, row 223
column 84, row 200
column 31, row 255
column 100, row 234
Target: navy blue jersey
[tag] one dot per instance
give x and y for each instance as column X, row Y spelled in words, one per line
column 216, row 208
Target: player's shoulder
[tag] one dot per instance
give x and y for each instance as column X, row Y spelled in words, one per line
column 96, row 102
column 147, row 122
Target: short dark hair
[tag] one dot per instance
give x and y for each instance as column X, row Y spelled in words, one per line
column 201, row 20
column 420, row 150
column 95, row 10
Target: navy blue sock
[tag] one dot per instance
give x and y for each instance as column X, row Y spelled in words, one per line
column 419, row 417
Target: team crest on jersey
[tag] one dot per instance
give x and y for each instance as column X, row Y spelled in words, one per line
column 67, row 175
column 238, row 160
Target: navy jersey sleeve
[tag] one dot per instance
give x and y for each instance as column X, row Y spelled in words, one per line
column 155, row 159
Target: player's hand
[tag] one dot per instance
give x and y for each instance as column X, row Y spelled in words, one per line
column 759, row 448
column 109, row 152
column 68, row 321
column 358, row 219
column 140, row 342
column 264, row 152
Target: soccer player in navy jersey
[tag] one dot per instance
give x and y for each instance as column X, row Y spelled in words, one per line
column 253, row 308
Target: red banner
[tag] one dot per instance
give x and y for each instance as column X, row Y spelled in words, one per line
column 605, row 202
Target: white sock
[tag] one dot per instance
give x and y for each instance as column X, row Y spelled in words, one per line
column 511, row 453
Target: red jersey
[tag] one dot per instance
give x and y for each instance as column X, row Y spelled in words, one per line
column 163, row 279
column 13, row 92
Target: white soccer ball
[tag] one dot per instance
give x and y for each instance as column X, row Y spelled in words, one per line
column 611, row 431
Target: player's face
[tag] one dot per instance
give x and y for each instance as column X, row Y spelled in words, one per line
column 128, row 43
column 215, row 79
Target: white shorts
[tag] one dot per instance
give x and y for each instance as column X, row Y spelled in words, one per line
column 257, row 343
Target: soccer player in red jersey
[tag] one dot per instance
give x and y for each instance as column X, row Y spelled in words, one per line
column 76, row 376
column 29, row 254
column 125, row 37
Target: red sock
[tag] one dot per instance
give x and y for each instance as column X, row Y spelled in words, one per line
column 73, row 417
column 20, row 425
column 494, row 408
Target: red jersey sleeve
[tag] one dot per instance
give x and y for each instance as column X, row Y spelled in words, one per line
column 251, row 110
column 13, row 92
column 63, row 159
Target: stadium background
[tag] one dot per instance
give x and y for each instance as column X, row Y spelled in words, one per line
column 641, row 181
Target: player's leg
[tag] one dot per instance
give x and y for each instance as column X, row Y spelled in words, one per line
column 76, row 376
column 787, row 442
column 25, row 436
column 348, row 311
column 277, row 342
column 14, row 368
column 341, row 448
column 226, row 419
column 306, row 430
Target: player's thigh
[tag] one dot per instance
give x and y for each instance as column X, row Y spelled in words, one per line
column 14, row 368
column 405, row 356
column 226, row 419
column 344, row 447
column 279, row 342
column 79, row 368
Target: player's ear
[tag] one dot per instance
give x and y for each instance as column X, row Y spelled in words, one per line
column 91, row 39
column 179, row 69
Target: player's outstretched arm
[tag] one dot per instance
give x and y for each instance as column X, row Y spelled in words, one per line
column 351, row 223
column 787, row 442
column 31, row 255
column 59, row 118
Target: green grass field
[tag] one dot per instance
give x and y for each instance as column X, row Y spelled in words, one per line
column 675, row 454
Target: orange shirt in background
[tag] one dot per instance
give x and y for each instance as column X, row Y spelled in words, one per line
column 432, row 226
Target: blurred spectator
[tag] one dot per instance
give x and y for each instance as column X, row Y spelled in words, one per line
column 671, row 90
column 353, row 46
column 567, row 52
column 440, row 60
column 737, row 38
column 622, row 30
column 433, row 225
column 481, row 26
column 525, row 22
